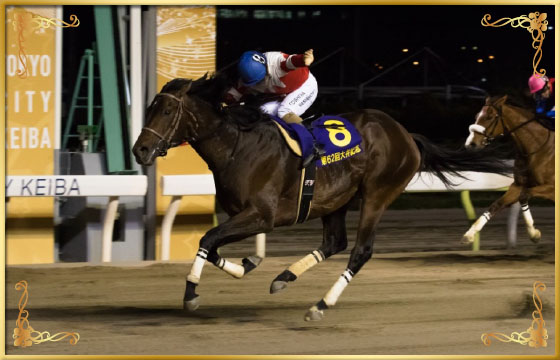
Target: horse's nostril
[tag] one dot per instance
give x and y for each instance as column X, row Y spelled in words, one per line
column 143, row 150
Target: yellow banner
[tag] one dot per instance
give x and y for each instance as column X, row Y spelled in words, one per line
column 30, row 81
column 30, row 121
column 186, row 48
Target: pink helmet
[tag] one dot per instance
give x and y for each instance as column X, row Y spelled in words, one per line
column 536, row 83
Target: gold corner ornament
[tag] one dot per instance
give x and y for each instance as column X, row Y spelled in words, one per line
column 24, row 335
column 45, row 23
column 21, row 22
column 535, row 23
column 535, row 336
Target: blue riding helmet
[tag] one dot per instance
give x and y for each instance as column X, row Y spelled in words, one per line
column 252, row 67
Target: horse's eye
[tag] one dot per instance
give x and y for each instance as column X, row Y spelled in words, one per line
column 167, row 112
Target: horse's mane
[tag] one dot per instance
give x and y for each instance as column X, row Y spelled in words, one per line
column 519, row 105
column 212, row 89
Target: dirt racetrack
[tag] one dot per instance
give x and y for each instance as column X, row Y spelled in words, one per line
column 421, row 302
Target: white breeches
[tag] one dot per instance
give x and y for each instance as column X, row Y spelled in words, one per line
column 297, row 102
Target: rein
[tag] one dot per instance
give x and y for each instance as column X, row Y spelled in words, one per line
column 165, row 140
column 507, row 132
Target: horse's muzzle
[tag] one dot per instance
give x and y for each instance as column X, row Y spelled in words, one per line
column 143, row 155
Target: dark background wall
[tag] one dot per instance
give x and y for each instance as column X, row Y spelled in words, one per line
column 373, row 37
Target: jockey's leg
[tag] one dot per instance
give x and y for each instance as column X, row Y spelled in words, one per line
column 334, row 241
column 292, row 118
column 298, row 101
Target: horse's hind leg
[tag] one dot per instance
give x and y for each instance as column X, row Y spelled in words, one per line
column 511, row 196
column 334, row 241
column 373, row 207
column 247, row 223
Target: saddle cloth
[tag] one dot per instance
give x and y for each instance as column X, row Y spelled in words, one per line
column 335, row 135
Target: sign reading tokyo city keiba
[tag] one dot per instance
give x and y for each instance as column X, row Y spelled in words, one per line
column 30, row 128
column 30, row 88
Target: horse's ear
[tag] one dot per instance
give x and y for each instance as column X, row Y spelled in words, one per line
column 186, row 88
column 501, row 101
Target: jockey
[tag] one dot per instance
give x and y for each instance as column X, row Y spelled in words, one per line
column 280, row 74
column 542, row 87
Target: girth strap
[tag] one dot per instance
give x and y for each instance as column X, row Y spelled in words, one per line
column 307, row 186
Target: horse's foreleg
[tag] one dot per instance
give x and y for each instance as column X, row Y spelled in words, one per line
column 534, row 234
column 334, row 241
column 237, row 271
column 247, row 223
column 511, row 196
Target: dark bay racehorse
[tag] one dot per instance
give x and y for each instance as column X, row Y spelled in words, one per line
column 257, row 177
column 534, row 163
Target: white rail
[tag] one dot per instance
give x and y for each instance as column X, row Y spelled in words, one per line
column 426, row 182
column 178, row 186
column 112, row 186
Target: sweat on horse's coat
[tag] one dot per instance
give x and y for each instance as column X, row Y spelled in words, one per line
column 255, row 175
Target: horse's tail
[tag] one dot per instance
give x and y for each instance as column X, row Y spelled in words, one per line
column 444, row 162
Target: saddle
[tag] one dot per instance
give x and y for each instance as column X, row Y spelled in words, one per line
column 319, row 142
column 327, row 139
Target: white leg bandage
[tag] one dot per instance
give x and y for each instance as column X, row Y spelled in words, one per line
column 528, row 219
column 338, row 287
column 306, row 263
column 196, row 269
column 237, row 271
column 479, row 224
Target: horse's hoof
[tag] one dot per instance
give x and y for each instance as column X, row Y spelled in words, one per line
column 255, row 259
column 314, row 314
column 536, row 236
column 467, row 239
column 277, row 286
column 191, row 305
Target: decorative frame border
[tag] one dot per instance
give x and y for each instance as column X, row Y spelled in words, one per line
column 535, row 23
column 556, row 3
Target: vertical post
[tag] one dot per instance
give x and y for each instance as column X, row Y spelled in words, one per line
column 90, row 99
column 108, row 223
column 107, row 58
column 136, row 103
column 149, row 76
column 471, row 215
column 513, row 218
column 58, row 83
column 167, row 225
column 261, row 245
